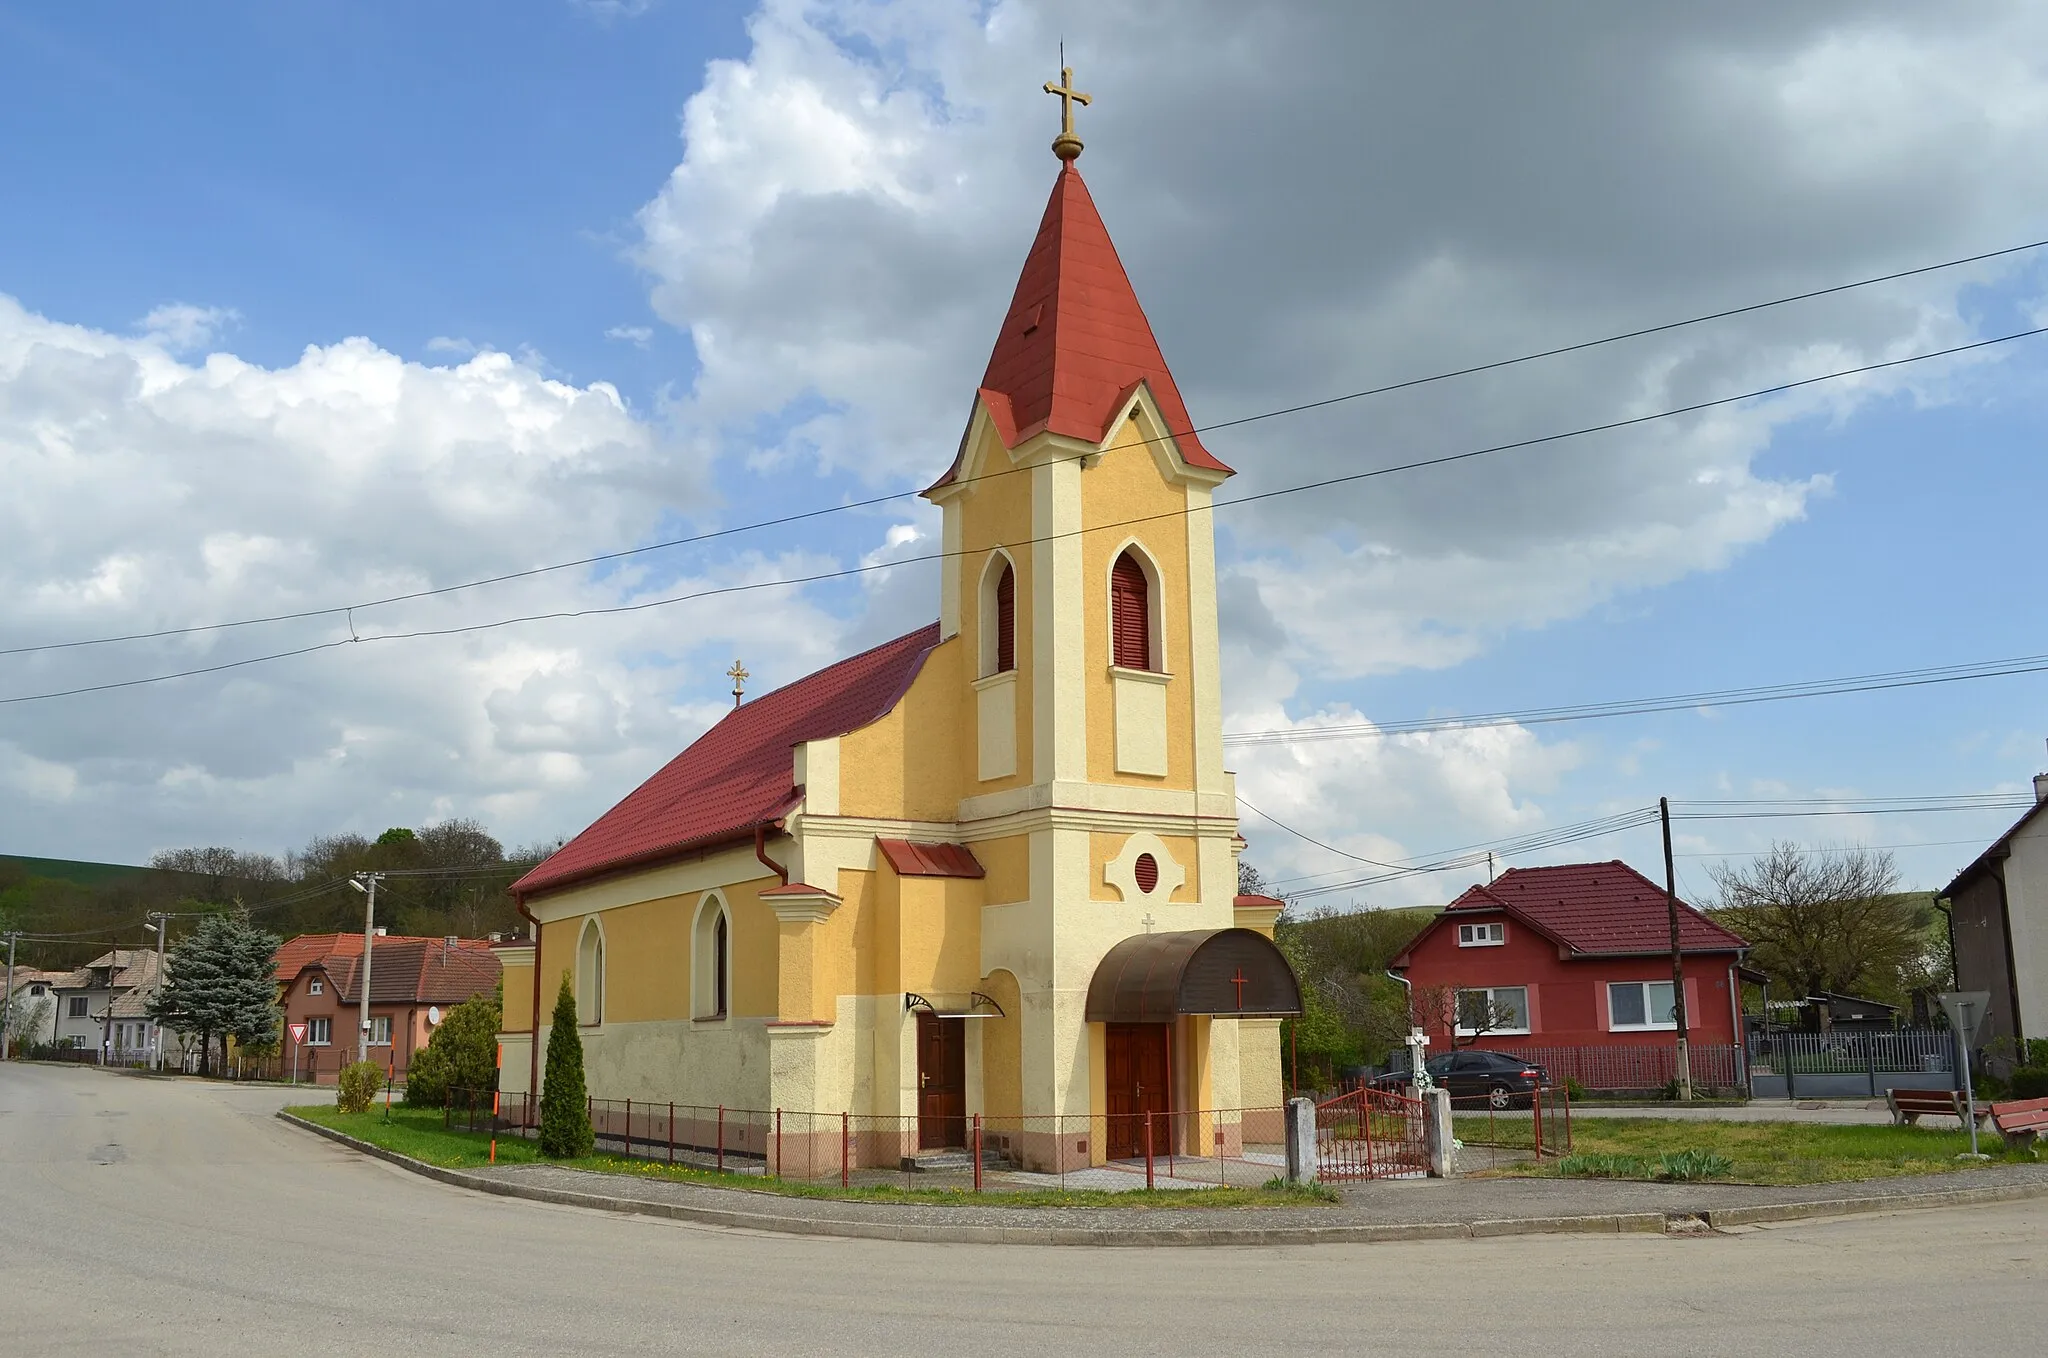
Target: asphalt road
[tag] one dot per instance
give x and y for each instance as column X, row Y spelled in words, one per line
column 147, row 1217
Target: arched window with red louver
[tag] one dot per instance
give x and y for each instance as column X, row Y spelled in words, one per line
column 1130, row 606
column 1006, row 620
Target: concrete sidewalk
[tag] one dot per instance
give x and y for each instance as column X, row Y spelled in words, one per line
column 1843, row 1112
column 1389, row 1210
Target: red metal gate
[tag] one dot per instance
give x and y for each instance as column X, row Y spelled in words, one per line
column 1371, row 1134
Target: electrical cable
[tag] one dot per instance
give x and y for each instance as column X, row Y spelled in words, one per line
column 1494, row 365
column 853, row 571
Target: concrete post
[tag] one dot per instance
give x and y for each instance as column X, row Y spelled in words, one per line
column 1443, row 1145
column 1301, row 1140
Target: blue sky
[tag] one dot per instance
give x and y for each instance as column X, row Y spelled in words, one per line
column 782, row 235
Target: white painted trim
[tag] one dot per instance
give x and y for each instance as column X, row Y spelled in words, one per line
column 1121, row 872
column 817, row 773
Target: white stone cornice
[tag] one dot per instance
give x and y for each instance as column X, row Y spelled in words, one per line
column 799, row 903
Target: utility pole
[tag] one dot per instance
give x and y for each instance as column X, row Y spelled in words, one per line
column 1677, row 956
column 366, row 882
column 7, row 1003
column 159, row 924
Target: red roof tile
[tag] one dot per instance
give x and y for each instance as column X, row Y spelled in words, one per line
column 1598, row 908
column 294, row 954
column 929, row 860
column 414, row 971
column 740, row 774
column 1075, row 343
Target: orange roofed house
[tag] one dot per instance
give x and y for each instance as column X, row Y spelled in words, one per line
column 413, row 982
column 986, row 869
column 1571, row 966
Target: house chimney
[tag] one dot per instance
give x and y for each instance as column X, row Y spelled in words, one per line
column 381, row 931
column 2040, row 788
column 451, row 941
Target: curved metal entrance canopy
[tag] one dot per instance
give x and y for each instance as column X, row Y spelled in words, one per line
column 1154, row 978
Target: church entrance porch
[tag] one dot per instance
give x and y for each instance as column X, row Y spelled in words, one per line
column 941, row 1082
column 1138, row 1080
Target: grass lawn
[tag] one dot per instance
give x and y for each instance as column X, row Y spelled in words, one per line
column 1787, row 1152
column 418, row 1133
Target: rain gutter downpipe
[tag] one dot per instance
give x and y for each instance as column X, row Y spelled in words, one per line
column 761, row 852
column 533, row 1037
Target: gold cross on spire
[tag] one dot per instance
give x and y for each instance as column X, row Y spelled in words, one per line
column 739, row 676
column 1066, row 145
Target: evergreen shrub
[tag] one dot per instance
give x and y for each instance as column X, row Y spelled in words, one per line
column 360, row 1081
column 462, row 1055
column 2029, row 1082
column 564, row 1105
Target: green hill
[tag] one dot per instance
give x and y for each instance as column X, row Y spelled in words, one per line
column 68, row 870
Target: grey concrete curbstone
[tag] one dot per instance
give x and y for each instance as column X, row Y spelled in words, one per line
column 1125, row 1237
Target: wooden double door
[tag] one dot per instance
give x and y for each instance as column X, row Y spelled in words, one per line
column 941, row 1081
column 1139, row 1079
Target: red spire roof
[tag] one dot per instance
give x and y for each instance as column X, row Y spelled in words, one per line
column 739, row 774
column 1075, row 343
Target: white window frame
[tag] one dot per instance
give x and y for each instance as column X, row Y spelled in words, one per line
column 1486, row 933
column 1669, row 1025
column 706, row 961
column 315, row 987
column 380, row 1023
column 319, row 1032
column 991, row 576
column 1489, row 991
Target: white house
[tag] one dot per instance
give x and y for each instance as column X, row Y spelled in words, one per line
column 94, row 1009
column 1999, row 916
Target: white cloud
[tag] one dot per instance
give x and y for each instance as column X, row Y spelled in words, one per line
column 180, row 326
column 636, row 335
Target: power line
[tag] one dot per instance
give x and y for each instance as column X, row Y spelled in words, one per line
column 853, row 571
column 784, row 520
column 1631, row 707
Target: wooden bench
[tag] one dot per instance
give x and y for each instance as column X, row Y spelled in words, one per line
column 1910, row 1105
column 2019, row 1121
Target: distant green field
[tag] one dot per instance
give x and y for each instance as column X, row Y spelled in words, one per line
column 68, row 870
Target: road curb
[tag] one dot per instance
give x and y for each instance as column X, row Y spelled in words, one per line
column 931, row 1233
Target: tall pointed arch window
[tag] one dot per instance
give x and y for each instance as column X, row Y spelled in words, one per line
column 998, row 616
column 712, row 960
column 1130, row 605
column 590, row 975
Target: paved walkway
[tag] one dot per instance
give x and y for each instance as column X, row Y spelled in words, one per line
column 1839, row 1111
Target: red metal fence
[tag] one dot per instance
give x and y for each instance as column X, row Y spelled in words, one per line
column 1371, row 1134
column 1714, row 1066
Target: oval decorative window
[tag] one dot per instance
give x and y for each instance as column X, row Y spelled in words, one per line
column 1146, row 870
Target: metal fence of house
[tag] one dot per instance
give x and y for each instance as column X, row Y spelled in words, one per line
column 1848, row 1063
column 1531, row 1127
column 1640, row 1068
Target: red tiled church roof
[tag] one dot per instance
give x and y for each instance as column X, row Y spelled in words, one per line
column 1597, row 908
column 1075, row 343
column 739, row 774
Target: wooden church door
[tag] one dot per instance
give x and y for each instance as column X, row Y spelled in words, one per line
column 941, row 1081
column 1138, row 1080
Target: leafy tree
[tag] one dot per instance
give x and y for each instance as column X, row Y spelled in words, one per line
column 462, row 1053
column 564, row 1107
column 1829, row 921
column 28, row 1021
column 218, row 982
column 1352, row 1011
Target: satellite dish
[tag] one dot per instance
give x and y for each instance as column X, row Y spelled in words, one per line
column 433, row 1013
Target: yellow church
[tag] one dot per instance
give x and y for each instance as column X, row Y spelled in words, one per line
column 986, row 871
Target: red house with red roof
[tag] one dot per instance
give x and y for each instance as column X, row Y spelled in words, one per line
column 413, row 982
column 1559, row 963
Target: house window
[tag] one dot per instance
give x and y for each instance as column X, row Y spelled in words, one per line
column 1493, row 1009
column 590, row 975
column 1641, row 1004
column 1130, row 607
column 319, row 1032
column 316, row 987
column 380, row 1030
column 76, row 1007
column 712, row 952
column 1489, row 935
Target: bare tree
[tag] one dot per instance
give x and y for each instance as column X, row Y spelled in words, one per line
column 1464, row 1015
column 1826, row 921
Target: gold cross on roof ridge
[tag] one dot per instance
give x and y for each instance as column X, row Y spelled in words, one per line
column 739, row 676
column 1066, row 145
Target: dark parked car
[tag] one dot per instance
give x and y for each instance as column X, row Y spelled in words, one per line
column 1499, row 1079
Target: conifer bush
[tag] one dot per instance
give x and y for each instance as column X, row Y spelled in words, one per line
column 564, row 1107
column 360, row 1081
column 461, row 1057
